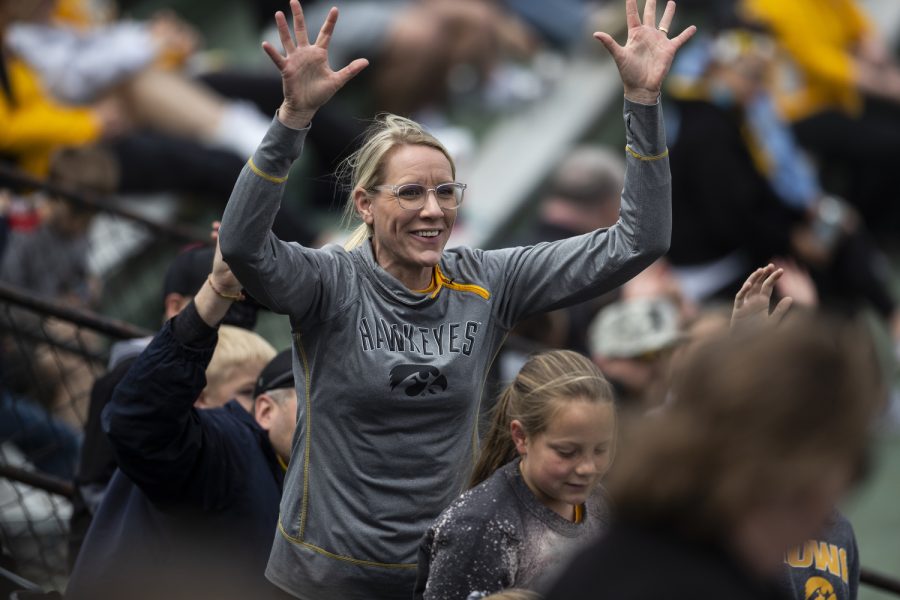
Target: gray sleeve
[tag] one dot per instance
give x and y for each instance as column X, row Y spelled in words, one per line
column 285, row 277
column 469, row 555
column 553, row 275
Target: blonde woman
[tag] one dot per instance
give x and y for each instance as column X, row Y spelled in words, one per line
column 393, row 336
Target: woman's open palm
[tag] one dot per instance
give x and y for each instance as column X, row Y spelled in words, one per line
column 648, row 53
column 307, row 79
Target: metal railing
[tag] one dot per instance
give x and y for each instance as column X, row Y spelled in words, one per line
column 14, row 178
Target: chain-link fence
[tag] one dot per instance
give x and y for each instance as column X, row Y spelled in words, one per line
column 50, row 355
column 59, row 248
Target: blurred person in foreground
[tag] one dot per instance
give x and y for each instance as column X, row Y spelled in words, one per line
column 192, row 508
column 768, row 428
column 827, row 564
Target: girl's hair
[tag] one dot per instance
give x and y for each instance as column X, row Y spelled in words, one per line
column 236, row 347
column 365, row 167
column 755, row 416
column 533, row 398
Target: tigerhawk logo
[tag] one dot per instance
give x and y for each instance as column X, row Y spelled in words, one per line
column 819, row 588
column 418, row 380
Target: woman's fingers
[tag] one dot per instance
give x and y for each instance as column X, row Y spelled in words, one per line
column 631, row 14
column 284, row 33
column 352, row 70
column 275, row 55
column 609, row 43
column 650, row 13
column 327, row 29
column 682, row 38
column 299, row 24
column 668, row 14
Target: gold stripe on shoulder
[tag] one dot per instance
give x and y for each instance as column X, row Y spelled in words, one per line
column 469, row 287
column 263, row 174
column 646, row 158
column 443, row 281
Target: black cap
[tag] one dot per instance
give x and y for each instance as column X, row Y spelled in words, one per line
column 188, row 271
column 279, row 373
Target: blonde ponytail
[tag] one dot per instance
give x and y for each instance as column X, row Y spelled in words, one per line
column 498, row 447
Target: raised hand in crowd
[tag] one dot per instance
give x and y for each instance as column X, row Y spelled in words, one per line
column 796, row 283
column 751, row 303
column 222, row 287
column 648, row 52
column 307, row 79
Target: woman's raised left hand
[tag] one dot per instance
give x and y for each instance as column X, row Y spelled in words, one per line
column 648, row 53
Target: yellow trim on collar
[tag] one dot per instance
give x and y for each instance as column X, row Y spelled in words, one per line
column 646, row 158
column 579, row 513
column 431, row 286
column 442, row 281
column 263, row 174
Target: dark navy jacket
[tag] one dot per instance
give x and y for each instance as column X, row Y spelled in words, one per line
column 192, row 510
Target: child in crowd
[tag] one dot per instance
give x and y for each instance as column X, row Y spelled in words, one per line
column 535, row 490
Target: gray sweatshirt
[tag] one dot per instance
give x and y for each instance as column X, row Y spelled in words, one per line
column 498, row 535
column 389, row 380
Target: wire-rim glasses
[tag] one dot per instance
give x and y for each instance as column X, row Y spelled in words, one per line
column 412, row 196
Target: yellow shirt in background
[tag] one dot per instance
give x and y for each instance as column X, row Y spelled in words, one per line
column 820, row 37
column 32, row 125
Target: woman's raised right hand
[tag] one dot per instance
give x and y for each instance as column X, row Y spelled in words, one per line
column 307, row 79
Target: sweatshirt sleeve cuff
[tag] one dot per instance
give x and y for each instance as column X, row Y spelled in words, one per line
column 645, row 132
column 278, row 150
column 190, row 330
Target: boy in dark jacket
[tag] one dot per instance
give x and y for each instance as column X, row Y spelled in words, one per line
column 192, row 510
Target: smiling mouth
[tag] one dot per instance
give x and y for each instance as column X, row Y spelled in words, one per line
column 579, row 486
column 427, row 233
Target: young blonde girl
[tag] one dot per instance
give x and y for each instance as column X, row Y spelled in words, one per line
column 535, row 489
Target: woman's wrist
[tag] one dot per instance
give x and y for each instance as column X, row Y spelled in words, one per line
column 294, row 118
column 642, row 96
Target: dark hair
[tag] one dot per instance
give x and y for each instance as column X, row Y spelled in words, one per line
column 533, row 398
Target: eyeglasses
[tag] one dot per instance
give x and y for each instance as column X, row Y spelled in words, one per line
column 412, row 196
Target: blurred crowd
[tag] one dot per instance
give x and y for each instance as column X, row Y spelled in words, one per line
column 782, row 121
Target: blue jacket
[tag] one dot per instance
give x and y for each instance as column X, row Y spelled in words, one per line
column 192, row 509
